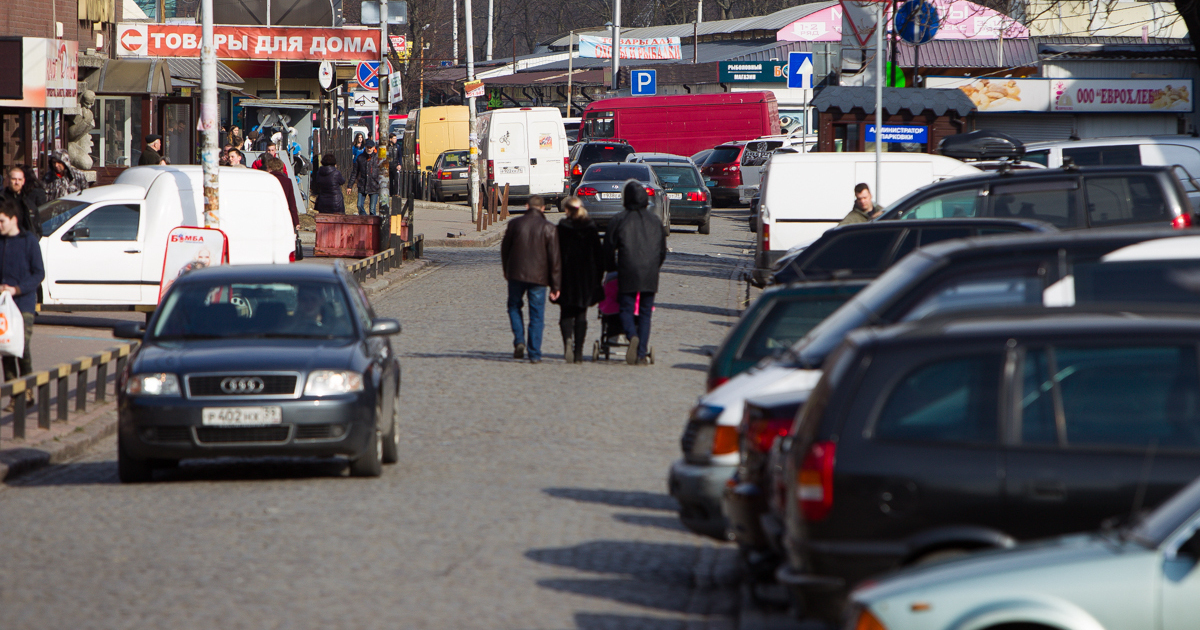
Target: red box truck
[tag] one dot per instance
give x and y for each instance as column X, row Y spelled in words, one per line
column 683, row 124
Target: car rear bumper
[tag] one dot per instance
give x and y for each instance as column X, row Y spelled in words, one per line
column 452, row 186
column 682, row 214
column 173, row 428
column 744, row 505
column 698, row 490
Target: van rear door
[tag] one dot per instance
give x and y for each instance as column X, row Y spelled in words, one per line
column 546, row 153
column 97, row 257
column 509, row 153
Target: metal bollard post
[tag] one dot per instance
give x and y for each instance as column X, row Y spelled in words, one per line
column 504, row 216
column 101, row 380
column 81, row 389
column 19, row 413
column 63, row 396
column 43, row 403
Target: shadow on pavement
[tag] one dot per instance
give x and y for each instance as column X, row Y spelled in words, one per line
column 600, row 621
column 479, row 355
column 645, row 593
column 699, row 308
column 644, row 520
column 691, row 366
column 222, row 469
column 618, row 498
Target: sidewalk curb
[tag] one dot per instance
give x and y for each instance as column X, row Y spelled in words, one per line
column 408, row 268
column 21, row 460
column 487, row 240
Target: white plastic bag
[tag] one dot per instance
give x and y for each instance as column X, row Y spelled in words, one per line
column 12, row 327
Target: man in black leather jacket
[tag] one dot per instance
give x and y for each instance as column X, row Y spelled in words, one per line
column 635, row 248
column 531, row 261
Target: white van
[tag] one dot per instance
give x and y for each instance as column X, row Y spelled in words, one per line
column 103, row 247
column 525, row 148
column 1181, row 151
column 804, row 194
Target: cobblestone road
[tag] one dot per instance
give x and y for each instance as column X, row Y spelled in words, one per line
column 527, row 496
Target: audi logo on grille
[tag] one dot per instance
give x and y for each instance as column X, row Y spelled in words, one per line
column 242, row 385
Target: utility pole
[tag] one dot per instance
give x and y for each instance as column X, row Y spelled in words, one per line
column 455, row 3
column 570, row 68
column 616, row 42
column 473, row 169
column 699, row 11
column 491, row 5
column 208, row 117
column 381, row 136
column 878, row 99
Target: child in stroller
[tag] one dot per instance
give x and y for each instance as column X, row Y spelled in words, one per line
column 612, row 335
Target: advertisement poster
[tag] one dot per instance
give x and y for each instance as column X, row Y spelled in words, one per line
column 999, row 95
column 190, row 248
column 50, row 74
column 289, row 43
column 654, row 48
column 1121, row 95
column 960, row 19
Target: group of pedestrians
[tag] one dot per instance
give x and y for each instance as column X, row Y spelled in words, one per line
column 568, row 262
column 21, row 269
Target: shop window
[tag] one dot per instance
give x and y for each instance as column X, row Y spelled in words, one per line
column 177, row 133
column 846, row 137
column 111, row 137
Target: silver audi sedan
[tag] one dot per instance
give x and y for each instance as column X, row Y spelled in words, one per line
column 601, row 186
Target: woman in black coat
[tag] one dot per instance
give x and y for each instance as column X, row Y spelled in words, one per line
column 327, row 185
column 582, row 274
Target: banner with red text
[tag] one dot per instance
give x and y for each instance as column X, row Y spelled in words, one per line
column 1121, row 95
column 653, row 48
column 249, row 42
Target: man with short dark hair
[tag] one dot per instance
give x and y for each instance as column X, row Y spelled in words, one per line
column 365, row 173
column 272, row 152
column 21, row 272
column 864, row 209
column 531, row 261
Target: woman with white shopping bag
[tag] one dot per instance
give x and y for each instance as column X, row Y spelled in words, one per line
column 21, row 272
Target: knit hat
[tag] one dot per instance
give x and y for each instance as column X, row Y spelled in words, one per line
column 634, row 195
column 152, row 138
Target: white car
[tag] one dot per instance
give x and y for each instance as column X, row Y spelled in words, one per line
column 1144, row 577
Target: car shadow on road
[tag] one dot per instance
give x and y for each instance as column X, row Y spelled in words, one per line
column 617, row 498
column 690, row 366
column 699, row 308
column 646, row 520
column 479, row 355
column 602, row 621
column 223, row 469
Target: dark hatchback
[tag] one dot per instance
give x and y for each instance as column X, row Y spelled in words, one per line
column 260, row 360
column 723, row 172
column 585, row 154
column 936, row 438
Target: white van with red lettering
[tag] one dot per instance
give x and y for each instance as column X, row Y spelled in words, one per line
column 103, row 247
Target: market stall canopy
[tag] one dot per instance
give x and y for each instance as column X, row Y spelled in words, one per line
column 131, row 76
column 895, row 100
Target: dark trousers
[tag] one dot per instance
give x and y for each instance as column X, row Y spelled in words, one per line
column 640, row 327
column 25, row 362
column 573, row 322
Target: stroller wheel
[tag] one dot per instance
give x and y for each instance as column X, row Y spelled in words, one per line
column 650, row 355
column 596, row 351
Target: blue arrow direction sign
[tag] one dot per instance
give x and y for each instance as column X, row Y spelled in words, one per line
column 800, row 70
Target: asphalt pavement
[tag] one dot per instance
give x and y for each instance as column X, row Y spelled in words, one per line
column 527, row 496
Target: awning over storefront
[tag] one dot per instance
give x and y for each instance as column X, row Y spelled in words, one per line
column 895, row 100
column 131, row 76
column 183, row 68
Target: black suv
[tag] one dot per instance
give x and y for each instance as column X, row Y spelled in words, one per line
column 935, row 438
column 865, row 250
column 1065, row 197
column 587, row 153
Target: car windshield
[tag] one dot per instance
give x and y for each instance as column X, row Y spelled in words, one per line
column 785, row 322
column 724, row 155
column 199, row 310
column 53, row 215
column 457, row 159
column 593, row 153
column 677, row 176
column 616, row 172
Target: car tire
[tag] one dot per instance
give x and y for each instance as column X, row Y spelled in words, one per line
column 370, row 463
column 391, row 439
column 706, row 227
column 131, row 469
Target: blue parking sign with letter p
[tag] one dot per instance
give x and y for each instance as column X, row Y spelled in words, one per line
column 643, row 82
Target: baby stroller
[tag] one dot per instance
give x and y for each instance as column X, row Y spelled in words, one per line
column 612, row 334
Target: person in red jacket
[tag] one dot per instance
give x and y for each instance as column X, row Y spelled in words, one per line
column 272, row 152
column 275, row 167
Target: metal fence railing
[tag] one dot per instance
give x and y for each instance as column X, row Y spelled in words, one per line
column 370, row 268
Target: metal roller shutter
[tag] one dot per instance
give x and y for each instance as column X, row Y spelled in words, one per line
column 1029, row 127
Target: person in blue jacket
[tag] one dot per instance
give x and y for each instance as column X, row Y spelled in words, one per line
column 21, row 272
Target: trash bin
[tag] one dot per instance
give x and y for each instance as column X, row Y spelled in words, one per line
column 347, row 235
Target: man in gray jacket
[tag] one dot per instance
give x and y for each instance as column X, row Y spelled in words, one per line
column 635, row 248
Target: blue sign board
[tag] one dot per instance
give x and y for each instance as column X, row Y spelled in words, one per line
column 800, row 70
column 643, row 82
column 899, row 133
column 917, row 21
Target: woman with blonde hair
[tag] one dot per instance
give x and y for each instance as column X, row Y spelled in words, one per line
column 582, row 270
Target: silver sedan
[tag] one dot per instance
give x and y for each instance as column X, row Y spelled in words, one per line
column 601, row 186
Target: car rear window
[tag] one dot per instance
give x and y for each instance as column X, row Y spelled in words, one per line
column 677, row 176
column 1125, row 199
column 1112, row 396
column 616, row 172
column 1052, row 201
column 724, row 155
column 953, row 400
column 784, row 323
column 306, row 310
column 456, row 160
column 1118, row 155
column 1137, row 282
column 593, row 153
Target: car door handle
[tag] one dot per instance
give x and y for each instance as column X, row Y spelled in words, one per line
column 133, row 251
column 1048, row 490
column 533, row 161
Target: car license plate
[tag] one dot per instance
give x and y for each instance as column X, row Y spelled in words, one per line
column 674, row 195
column 462, row 175
column 710, row 183
column 615, row 195
column 240, row 416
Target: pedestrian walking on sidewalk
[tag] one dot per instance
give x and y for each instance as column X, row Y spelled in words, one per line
column 365, row 174
column 582, row 255
column 24, row 191
column 326, row 186
column 21, row 272
column 61, row 178
column 531, row 261
column 275, row 167
column 635, row 248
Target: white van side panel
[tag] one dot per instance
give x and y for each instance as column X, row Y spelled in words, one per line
column 509, row 155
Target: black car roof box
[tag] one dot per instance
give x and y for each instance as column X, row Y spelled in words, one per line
column 981, row 145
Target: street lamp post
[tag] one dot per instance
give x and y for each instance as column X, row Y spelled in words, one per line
column 616, row 42
column 473, row 186
column 208, row 117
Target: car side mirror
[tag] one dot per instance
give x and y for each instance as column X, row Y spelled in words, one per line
column 383, row 328
column 77, row 233
column 1191, row 546
column 429, row 168
column 135, row 330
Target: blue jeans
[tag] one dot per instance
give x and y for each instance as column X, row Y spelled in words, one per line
column 374, row 203
column 641, row 327
column 537, row 315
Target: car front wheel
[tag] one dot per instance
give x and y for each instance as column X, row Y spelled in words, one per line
column 131, row 469
column 370, row 463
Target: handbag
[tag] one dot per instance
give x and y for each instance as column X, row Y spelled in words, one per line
column 12, row 327
column 299, row 248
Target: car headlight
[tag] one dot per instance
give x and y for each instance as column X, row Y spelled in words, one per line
column 161, row 384
column 706, row 413
column 330, row 382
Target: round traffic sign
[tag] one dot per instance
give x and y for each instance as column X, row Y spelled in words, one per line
column 325, row 74
column 917, row 21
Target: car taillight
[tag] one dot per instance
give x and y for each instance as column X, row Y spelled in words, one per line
column 566, row 167
column 766, row 236
column 761, row 433
column 577, row 171
column 585, row 191
column 649, row 191
column 697, row 196
column 725, row 440
column 716, row 382
column 292, row 256
column 814, row 482
column 737, row 177
column 417, row 153
column 491, row 170
column 1182, row 221
column 443, row 175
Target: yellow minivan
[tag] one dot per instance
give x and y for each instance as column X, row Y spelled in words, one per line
column 432, row 130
